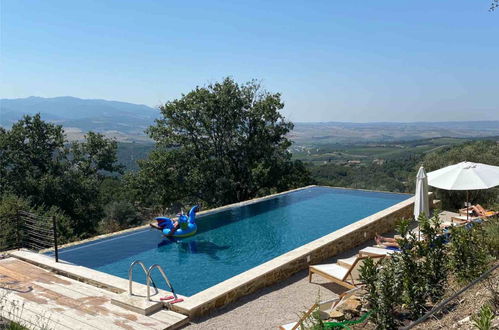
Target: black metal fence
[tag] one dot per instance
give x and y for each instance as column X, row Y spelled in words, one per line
column 31, row 231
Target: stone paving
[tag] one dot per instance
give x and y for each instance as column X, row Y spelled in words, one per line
column 39, row 298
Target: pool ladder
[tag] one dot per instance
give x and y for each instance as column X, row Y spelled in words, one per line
column 149, row 281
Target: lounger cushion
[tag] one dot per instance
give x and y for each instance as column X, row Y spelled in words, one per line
column 375, row 251
column 288, row 326
column 333, row 270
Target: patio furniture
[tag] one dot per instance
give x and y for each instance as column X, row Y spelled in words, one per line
column 477, row 209
column 347, row 277
column 372, row 251
column 463, row 219
column 324, row 307
column 466, row 211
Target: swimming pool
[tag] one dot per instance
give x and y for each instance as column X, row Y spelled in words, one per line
column 233, row 240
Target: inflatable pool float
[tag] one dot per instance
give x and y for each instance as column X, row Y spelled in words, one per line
column 186, row 225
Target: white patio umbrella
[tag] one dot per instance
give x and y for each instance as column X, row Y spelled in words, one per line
column 465, row 176
column 421, row 204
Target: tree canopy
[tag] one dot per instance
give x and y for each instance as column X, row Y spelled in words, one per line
column 220, row 144
column 38, row 164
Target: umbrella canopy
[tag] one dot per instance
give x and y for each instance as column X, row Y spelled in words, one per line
column 421, row 204
column 465, row 176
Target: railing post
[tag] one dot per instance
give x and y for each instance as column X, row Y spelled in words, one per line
column 54, row 226
column 18, row 228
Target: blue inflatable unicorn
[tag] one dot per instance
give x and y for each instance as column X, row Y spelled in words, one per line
column 183, row 227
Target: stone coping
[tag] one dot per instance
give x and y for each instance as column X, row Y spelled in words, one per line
column 90, row 276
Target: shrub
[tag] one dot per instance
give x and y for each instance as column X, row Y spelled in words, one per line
column 433, row 251
column 468, row 252
column 64, row 224
column 483, row 319
column 411, row 271
column 119, row 215
column 10, row 205
column 12, row 233
column 491, row 236
column 383, row 291
column 369, row 275
column 410, row 277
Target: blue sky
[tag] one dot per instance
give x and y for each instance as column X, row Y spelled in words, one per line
column 331, row 60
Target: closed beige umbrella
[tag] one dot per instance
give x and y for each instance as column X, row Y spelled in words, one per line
column 421, row 203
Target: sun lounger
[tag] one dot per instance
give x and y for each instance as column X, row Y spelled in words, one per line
column 478, row 210
column 347, row 277
column 376, row 251
column 463, row 218
column 324, row 308
column 466, row 210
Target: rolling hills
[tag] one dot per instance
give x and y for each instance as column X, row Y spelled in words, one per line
column 126, row 122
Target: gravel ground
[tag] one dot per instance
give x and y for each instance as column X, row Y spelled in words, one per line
column 275, row 305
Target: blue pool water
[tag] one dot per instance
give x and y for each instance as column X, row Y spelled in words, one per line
column 233, row 241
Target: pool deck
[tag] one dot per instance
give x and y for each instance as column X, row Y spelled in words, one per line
column 39, row 298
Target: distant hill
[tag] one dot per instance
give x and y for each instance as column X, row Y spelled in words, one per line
column 124, row 121
column 339, row 132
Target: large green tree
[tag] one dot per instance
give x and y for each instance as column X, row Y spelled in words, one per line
column 30, row 153
column 219, row 144
column 37, row 163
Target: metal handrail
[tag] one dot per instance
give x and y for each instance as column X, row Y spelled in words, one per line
column 130, row 275
column 149, row 279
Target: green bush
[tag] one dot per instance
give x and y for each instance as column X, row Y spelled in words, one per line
column 15, row 326
column 383, row 292
column 119, row 215
column 491, row 236
column 412, row 271
column 65, row 232
column 409, row 278
column 388, row 295
column 433, row 251
column 369, row 275
column 468, row 252
column 10, row 205
column 483, row 319
column 12, row 231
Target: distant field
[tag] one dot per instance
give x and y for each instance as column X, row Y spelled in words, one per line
column 341, row 153
column 337, row 153
column 328, row 133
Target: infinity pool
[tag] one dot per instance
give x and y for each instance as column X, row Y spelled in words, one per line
column 232, row 241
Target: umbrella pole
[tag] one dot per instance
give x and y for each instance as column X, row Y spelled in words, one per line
column 467, row 206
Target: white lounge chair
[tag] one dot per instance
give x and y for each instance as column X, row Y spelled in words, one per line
column 375, row 251
column 347, row 277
